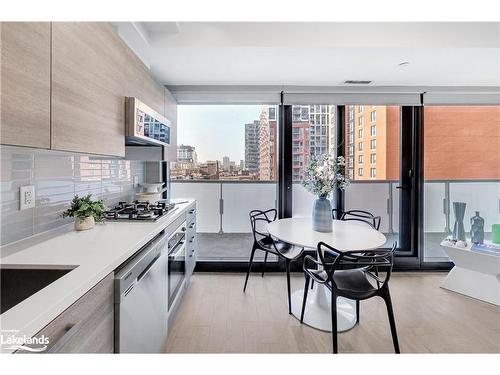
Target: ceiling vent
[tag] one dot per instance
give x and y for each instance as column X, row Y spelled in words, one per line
column 357, row 82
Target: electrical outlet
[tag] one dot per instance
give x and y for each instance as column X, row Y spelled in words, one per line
column 27, row 197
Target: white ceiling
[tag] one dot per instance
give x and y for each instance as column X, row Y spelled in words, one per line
column 211, row 53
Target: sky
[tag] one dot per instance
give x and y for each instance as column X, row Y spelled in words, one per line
column 215, row 130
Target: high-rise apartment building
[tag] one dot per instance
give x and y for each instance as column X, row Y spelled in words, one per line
column 225, row 163
column 186, row 157
column 312, row 134
column 186, row 153
column 252, row 148
column 267, row 144
column 372, row 142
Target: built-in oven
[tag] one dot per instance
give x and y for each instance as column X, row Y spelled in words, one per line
column 176, row 262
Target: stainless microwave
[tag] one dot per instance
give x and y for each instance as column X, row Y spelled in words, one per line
column 145, row 126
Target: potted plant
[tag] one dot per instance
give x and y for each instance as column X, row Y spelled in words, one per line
column 323, row 173
column 85, row 211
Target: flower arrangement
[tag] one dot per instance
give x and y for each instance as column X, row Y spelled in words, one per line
column 323, row 173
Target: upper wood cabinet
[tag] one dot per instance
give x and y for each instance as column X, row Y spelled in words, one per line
column 25, row 84
column 140, row 84
column 88, row 101
column 63, row 87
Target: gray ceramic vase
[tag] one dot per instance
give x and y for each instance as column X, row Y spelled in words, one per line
column 477, row 229
column 322, row 215
column 458, row 228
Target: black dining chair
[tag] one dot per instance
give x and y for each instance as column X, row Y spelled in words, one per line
column 361, row 215
column 264, row 242
column 348, row 274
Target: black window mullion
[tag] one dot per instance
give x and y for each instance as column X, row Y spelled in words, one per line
column 339, row 199
column 285, row 162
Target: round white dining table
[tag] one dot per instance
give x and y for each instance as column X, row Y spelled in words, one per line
column 345, row 236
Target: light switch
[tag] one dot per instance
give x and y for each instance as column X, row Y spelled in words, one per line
column 136, row 181
column 27, row 197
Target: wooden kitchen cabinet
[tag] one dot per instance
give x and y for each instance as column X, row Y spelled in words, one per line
column 140, row 84
column 63, row 87
column 88, row 101
column 87, row 326
column 25, row 84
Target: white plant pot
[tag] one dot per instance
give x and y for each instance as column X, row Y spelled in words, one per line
column 84, row 224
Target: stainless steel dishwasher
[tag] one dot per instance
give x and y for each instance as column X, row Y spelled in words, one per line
column 141, row 305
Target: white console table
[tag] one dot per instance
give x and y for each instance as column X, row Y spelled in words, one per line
column 475, row 274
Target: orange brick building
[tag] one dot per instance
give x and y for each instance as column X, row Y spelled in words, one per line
column 460, row 142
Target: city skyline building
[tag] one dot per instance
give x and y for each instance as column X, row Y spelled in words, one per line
column 372, row 142
column 252, row 147
column 225, row 163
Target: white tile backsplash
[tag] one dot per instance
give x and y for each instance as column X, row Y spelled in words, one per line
column 57, row 177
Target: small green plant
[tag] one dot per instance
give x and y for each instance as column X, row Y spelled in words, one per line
column 86, row 207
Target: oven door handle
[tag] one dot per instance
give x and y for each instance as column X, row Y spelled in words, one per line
column 181, row 246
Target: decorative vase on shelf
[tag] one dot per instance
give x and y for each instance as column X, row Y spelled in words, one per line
column 84, row 224
column 322, row 214
column 458, row 228
column 477, row 229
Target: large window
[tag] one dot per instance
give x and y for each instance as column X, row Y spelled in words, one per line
column 461, row 164
column 227, row 161
column 227, row 142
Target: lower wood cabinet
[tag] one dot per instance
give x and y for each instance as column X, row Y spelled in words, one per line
column 87, row 326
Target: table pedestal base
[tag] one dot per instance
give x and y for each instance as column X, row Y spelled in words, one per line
column 317, row 313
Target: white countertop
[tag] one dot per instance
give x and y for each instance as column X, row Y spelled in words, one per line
column 95, row 253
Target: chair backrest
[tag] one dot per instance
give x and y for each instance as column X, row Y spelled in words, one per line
column 364, row 216
column 259, row 220
column 380, row 260
column 337, row 214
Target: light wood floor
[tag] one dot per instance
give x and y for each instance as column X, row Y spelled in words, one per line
column 217, row 317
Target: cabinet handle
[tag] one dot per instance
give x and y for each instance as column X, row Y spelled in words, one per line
column 71, row 331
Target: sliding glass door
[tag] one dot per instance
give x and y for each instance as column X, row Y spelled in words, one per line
column 378, row 160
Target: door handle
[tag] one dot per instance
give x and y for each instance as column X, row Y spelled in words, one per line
column 146, row 270
column 70, row 332
column 402, row 187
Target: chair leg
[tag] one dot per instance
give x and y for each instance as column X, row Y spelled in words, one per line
column 264, row 266
column 376, row 274
column 392, row 322
column 334, row 323
column 357, row 311
column 287, row 266
column 312, row 284
column 249, row 268
column 304, row 300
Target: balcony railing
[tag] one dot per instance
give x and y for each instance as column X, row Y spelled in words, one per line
column 223, row 206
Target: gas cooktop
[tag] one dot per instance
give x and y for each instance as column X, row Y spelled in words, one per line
column 139, row 211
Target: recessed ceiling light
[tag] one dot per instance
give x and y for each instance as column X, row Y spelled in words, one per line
column 404, row 63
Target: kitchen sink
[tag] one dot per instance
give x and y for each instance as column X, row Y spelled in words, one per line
column 17, row 284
